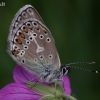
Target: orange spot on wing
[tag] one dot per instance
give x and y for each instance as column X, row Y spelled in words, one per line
column 15, row 52
column 37, row 27
column 22, row 35
column 18, row 41
column 44, row 30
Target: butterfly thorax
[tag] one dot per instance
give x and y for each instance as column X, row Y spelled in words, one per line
column 51, row 76
column 56, row 75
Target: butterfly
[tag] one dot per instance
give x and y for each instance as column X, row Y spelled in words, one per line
column 32, row 46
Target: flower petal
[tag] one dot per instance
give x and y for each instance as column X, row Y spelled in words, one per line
column 21, row 75
column 67, row 85
column 17, row 91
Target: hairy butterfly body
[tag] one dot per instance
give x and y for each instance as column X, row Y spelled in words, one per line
column 32, row 46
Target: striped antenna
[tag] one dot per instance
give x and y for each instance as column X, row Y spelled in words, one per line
column 81, row 63
column 68, row 65
column 83, row 69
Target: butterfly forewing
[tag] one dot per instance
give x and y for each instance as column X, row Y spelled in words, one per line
column 31, row 43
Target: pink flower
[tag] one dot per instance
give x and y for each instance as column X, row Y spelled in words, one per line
column 20, row 91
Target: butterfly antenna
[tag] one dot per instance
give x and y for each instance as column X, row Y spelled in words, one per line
column 67, row 65
column 80, row 63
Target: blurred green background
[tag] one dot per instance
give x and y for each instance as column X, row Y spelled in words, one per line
column 75, row 26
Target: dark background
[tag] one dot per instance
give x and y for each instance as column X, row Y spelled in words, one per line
column 75, row 26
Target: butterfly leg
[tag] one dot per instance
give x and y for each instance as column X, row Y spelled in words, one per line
column 60, row 80
column 32, row 80
column 38, row 80
column 54, row 86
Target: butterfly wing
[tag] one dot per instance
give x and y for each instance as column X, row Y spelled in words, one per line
column 30, row 42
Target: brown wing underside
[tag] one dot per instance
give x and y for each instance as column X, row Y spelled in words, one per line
column 30, row 41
